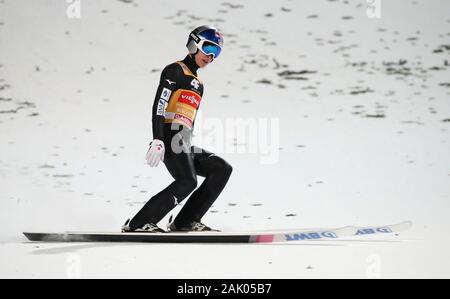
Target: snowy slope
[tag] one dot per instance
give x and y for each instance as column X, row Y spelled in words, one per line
column 363, row 114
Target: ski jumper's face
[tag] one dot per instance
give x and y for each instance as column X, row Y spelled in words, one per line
column 202, row 60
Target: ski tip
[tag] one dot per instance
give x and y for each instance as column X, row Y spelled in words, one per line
column 401, row 226
column 406, row 224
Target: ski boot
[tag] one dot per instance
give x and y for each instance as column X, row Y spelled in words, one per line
column 146, row 228
column 194, row 226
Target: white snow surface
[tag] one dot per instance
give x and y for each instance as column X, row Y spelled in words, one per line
column 363, row 135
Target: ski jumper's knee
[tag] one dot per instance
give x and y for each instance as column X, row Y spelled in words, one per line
column 221, row 167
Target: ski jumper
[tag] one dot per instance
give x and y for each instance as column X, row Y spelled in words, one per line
column 175, row 106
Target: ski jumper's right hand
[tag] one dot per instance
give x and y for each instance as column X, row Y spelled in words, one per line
column 155, row 153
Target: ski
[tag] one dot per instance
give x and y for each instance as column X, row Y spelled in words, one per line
column 273, row 236
column 197, row 237
column 366, row 230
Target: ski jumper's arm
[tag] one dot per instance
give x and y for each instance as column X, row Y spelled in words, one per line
column 167, row 84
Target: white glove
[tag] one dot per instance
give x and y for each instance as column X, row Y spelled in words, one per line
column 155, row 153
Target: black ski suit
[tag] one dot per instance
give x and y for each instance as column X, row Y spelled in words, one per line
column 177, row 99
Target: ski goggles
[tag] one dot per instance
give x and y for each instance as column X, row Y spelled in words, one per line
column 209, row 48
